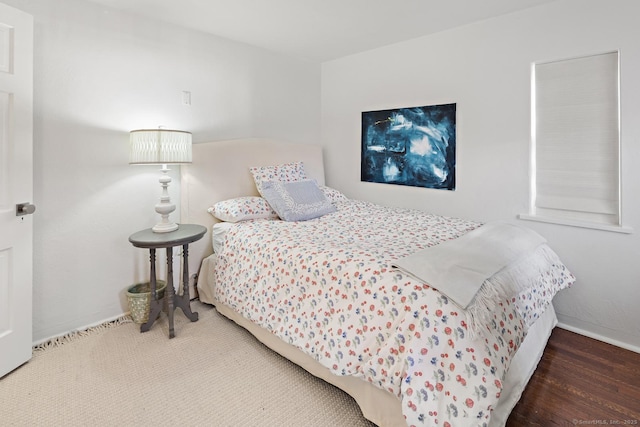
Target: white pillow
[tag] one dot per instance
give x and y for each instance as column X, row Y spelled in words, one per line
column 297, row 200
column 242, row 209
column 286, row 172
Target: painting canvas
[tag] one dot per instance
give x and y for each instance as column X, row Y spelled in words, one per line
column 410, row 146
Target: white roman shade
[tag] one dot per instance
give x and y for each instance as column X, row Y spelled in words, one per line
column 576, row 139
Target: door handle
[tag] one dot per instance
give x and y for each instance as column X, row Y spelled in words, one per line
column 25, row 209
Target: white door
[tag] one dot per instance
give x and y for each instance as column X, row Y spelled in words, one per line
column 16, row 186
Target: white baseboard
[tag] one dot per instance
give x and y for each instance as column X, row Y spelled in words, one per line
column 599, row 337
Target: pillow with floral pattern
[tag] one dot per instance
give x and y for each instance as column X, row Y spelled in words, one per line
column 286, row 172
column 332, row 194
column 242, row 209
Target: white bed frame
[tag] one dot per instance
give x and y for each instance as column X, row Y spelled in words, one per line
column 220, row 170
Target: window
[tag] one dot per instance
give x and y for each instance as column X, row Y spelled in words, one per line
column 575, row 142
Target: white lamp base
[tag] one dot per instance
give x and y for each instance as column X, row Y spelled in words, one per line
column 164, row 228
column 165, row 207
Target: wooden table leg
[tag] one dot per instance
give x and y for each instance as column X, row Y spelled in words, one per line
column 184, row 301
column 154, row 306
column 170, row 290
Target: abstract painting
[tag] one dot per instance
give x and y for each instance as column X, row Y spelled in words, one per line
column 410, row 146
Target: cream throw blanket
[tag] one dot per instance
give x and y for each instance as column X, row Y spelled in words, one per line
column 483, row 267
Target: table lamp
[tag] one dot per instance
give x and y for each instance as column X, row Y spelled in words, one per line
column 161, row 147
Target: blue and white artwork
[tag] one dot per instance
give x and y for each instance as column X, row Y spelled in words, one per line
column 410, row 146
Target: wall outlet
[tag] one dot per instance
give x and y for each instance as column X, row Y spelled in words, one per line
column 186, row 97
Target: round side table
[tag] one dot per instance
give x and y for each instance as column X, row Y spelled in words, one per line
column 148, row 239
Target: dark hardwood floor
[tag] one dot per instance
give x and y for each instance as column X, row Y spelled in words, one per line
column 581, row 381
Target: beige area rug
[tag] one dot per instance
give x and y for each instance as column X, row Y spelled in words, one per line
column 213, row 373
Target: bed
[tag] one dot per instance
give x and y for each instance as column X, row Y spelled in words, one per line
column 335, row 302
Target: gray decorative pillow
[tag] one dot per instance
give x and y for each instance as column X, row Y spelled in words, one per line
column 297, row 200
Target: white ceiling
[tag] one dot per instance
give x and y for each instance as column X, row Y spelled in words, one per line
column 320, row 30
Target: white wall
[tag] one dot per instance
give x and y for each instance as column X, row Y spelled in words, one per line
column 98, row 74
column 485, row 69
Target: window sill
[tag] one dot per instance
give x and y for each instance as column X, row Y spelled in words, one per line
column 591, row 225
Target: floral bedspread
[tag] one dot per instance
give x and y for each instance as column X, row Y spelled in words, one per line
column 327, row 287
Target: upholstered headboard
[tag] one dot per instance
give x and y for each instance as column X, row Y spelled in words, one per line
column 220, row 171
